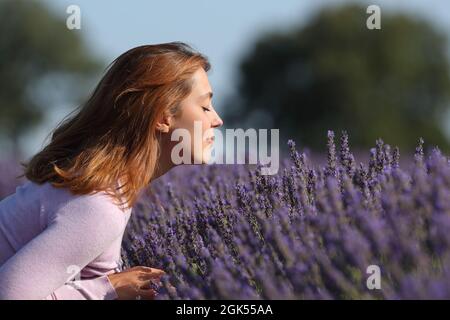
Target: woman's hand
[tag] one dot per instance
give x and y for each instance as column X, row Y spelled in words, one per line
column 135, row 283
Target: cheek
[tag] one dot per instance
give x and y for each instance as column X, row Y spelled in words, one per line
column 188, row 118
column 202, row 123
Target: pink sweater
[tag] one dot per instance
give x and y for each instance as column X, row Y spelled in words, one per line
column 48, row 235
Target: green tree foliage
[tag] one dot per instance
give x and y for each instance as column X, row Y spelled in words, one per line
column 335, row 73
column 40, row 58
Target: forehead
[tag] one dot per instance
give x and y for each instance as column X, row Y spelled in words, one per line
column 201, row 83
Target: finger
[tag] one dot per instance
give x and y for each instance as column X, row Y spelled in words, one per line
column 147, row 294
column 151, row 275
column 150, row 270
column 152, row 283
column 142, row 268
column 144, row 285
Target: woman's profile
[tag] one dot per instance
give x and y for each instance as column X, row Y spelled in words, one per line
column 67, row 220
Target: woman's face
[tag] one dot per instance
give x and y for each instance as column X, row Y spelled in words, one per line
column 198, row 119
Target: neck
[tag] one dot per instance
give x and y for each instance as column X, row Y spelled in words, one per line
column 164, row 162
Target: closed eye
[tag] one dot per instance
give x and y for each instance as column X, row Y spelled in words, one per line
column 206, row 109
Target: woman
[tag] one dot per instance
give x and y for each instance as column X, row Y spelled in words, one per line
column 68, row 220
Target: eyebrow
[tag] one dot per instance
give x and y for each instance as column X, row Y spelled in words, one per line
column 206, row 95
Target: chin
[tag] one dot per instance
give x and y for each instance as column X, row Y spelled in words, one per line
column 206, row 156
column 204, row 160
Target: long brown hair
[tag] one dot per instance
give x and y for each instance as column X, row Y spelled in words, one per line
column 112, row 136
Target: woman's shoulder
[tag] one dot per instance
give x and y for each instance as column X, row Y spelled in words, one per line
column 61, row 203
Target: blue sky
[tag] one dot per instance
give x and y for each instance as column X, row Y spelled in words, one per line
column 222, row 30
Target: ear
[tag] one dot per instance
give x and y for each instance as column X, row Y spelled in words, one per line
column 164, row 124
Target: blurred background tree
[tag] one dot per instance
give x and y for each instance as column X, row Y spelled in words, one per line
column 334, row 73
column 42, row 64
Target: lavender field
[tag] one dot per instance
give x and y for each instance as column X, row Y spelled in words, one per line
column 309, row 232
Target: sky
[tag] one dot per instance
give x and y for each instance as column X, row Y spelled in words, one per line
column 222, row 30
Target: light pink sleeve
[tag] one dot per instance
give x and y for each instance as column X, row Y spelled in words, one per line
column 92, row 289
column 81, row 230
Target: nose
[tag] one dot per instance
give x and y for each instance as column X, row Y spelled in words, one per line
column 217, row 122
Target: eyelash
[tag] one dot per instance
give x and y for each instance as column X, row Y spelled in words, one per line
column 206, row 109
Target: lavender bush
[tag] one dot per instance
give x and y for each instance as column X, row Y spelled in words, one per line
column 228, row 232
